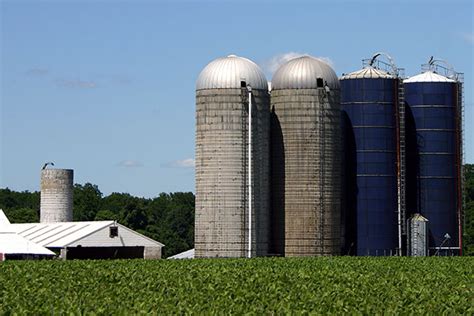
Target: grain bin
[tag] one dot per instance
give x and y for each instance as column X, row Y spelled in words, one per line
column 370, row 109
column 306, row 158
column 434, row 145
column 417, row 236
column 222, row 165
column 56, row 195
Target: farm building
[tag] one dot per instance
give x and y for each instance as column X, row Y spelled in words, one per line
column 90, row 240
column 75, row 240
column 14, row 246
column 188, row 254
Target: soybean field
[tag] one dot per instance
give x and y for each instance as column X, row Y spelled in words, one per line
column 335, row 285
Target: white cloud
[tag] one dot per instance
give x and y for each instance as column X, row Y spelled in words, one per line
column 469, row 37
column 37, row 72
column 130, row 164
column 271, row 65
column 276, row 61
column 76, row 83
column 184, row 163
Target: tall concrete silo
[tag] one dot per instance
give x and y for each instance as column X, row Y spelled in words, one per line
column 222, row 159
column 56, row 195
column 370, row 108
column 306, row 158
column 434, row 157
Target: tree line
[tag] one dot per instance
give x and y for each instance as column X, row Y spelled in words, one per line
column 168, row 218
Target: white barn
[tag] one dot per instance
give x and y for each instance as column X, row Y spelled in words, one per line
column 90, row 240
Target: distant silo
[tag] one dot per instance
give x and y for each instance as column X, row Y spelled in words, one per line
column 434, row 160
column 369, row 102
column 306, row 158
column 222, row 175
column 417, row 236
column 56, row 195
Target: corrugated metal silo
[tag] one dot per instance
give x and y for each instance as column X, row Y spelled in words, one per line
column 306, row 158
column 222, row 177
column 369, row 106
column 417, row 236
column 434, row 157
column 56, row 195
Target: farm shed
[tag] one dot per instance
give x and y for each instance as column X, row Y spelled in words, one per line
column 90, row 240
column 14, row 246
column 188, row 254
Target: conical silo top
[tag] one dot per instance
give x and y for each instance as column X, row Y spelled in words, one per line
column 368, row 73
column 302, row 73
column 428, row 76
column 228, row 72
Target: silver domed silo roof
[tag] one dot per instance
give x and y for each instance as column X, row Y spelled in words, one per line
column 367, row 73
column 228, row 72
column 302, row 73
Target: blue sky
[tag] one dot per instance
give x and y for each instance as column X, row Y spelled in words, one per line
column 107, row 88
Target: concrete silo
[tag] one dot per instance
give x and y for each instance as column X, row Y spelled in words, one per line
column 434, row 153
column 222, row 159
column 56, row 195
column 369, row 103
column 306, row 158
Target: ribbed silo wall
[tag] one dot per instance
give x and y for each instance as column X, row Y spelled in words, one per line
column 432, row 108
column 221, row 226
column 56, row 195
column 370, row 106
column 306, row 171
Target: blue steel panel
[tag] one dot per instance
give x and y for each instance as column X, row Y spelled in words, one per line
column 432, row 105
column 370, row 107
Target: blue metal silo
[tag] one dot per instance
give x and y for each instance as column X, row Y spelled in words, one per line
column 369, row 100
column 434, row 157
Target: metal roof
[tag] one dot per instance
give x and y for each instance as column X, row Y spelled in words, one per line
column 419, row 217
column 302, row 72
column 428, row 76
column 228, row 72
column 367, row 73
column 12, row 243
column 59, row 235
column 3, row 218
column 188, row 254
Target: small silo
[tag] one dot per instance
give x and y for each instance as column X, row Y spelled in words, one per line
column 417, row 236
column 370, row 108
column 56, row 195
column 223, row 188
column 434, row 160
column 306, row 158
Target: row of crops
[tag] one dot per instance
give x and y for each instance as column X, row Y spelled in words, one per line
column 275, row 285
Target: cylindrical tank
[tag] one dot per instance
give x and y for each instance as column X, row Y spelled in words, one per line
column 222, row 177
column 369, row 109
column 306, row 158
column 433, row 157
column 56, row 195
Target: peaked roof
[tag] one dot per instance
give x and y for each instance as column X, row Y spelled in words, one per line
column 12, row 243
column 63, row 234
column 188, row 254
column 3, row 218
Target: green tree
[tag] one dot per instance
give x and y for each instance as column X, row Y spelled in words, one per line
column 87, row 201
column 22, row 215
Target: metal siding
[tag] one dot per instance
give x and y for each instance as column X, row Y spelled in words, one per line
column 433, row 110
column 125, row 238
column 369, row 105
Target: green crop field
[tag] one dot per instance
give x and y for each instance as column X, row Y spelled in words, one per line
column 336, row 285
